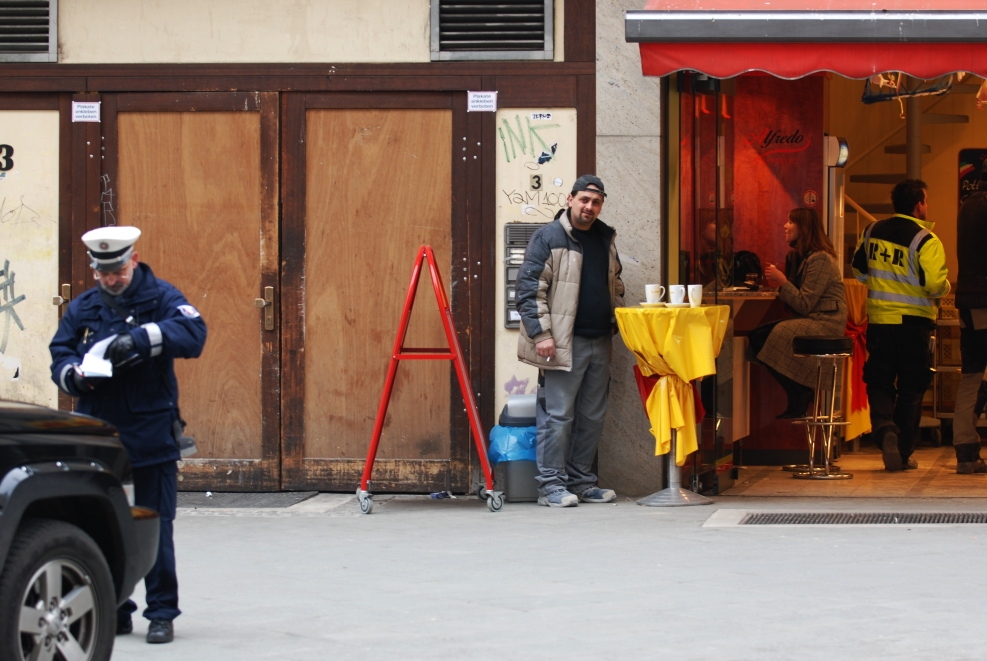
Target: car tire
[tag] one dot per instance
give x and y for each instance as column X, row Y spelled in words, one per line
column 78, row 617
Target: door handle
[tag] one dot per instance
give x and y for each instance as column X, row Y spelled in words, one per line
column 64, row 298
column 267, row 304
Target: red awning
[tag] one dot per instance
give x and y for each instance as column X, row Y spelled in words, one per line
column 855, row 38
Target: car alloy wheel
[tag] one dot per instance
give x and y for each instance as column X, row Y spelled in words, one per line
column 57, row 601
column 58, row 613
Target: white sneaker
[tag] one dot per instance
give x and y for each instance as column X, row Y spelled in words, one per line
column 559, row 499
column 597, row 495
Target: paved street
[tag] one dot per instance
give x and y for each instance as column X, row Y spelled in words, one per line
column 436, row 580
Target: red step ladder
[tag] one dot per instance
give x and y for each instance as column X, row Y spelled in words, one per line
column 495, row 499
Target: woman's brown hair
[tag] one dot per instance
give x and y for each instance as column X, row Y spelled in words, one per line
column 811, row 237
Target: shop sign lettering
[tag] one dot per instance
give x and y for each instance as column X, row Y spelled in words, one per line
column 776, row 141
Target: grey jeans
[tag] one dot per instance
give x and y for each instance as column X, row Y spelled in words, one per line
column 570, row 412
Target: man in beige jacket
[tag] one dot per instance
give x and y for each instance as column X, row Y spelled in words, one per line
column 566, row 292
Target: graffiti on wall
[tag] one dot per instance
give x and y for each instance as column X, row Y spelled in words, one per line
column 8, row 317
column 536, row 165
column 29, row 265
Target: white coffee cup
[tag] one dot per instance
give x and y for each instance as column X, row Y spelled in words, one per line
column 695, row 295
column 654, row 293
column 676, row 294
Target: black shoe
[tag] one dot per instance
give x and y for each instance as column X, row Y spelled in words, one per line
column 125, row 626
column 160, row 631
column 971, row 467
column 909, row 464
column 799, row 399
column 890, row 452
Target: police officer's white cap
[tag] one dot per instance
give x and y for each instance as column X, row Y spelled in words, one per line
column 110, row 247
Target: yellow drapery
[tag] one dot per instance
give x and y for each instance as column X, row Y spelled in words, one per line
column 856, row 304
column 678, row 345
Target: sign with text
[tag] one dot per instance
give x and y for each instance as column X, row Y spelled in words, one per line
column 85, row 111
column 481, row 101
column 971, row 162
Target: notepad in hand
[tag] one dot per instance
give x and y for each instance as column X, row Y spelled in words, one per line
column 94, row 364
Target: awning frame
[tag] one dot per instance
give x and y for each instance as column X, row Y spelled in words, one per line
column 812, row 26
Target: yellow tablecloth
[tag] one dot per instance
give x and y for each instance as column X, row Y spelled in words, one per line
column 856, row 303
column 678, row 345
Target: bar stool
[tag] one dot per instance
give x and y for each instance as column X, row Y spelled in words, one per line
column 830, row 353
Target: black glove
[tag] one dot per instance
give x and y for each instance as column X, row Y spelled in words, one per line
column 121, row 350
column 84, row 384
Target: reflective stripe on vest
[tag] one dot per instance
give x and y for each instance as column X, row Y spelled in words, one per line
column 907, row 288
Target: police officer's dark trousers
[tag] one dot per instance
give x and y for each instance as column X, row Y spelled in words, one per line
column 156, row 487
column 897, row 373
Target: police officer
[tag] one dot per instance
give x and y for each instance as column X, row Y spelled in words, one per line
column 148, row 323
column 904, row 267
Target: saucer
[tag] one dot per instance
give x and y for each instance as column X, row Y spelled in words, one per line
column 677, row 305
column 645, row 304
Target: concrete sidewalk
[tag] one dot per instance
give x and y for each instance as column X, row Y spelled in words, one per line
column 448, row 580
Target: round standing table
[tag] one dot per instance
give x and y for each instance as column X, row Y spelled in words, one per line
column 676, row 345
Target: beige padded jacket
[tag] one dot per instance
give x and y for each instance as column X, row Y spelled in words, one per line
column 547, row 290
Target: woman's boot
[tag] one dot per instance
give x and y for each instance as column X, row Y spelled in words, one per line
column 799, row 396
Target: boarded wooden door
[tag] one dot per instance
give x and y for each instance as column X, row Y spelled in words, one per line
column 198, row 174
column 364, row 187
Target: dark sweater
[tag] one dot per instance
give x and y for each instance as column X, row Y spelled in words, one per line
column 971, row 249
column 593, row 313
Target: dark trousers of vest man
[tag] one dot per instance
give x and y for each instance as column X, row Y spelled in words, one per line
column 897, row 373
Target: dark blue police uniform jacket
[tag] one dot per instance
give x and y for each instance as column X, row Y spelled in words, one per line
column 140, row 400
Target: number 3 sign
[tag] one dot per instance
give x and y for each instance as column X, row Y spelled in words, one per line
column 6, row 158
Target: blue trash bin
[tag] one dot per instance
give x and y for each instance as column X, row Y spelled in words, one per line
column 512, row 449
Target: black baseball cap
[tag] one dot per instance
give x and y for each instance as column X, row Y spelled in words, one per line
column 588, row 182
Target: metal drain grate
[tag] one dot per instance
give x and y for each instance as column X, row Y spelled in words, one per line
column 860, row 518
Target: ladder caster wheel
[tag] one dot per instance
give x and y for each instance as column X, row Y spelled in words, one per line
column 481, row 493
column 366, row 501
column 495, row 502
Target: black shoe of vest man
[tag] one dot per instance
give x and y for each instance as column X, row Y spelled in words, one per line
column 125, row 626
column 160, row 631
column 909, row 464
column 890, row 452
column 971, row 467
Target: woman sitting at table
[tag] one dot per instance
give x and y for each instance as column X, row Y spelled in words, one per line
column 812, row 288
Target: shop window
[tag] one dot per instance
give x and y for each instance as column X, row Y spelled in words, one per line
column 492, row 30
column 28, row 30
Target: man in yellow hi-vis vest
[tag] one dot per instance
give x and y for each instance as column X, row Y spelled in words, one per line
column 904, row 267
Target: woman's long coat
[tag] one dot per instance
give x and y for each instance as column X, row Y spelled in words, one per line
column 815, row 293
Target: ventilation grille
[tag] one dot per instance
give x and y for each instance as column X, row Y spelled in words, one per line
column 27, row 30
column 518, row 234
column 492, row 29
column 861, row 518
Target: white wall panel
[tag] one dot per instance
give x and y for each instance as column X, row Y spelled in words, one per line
column 180, row 31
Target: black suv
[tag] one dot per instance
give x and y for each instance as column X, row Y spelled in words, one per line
column 72, row 546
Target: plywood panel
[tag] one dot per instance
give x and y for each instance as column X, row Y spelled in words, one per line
column 191, row 183
column 378, row 185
